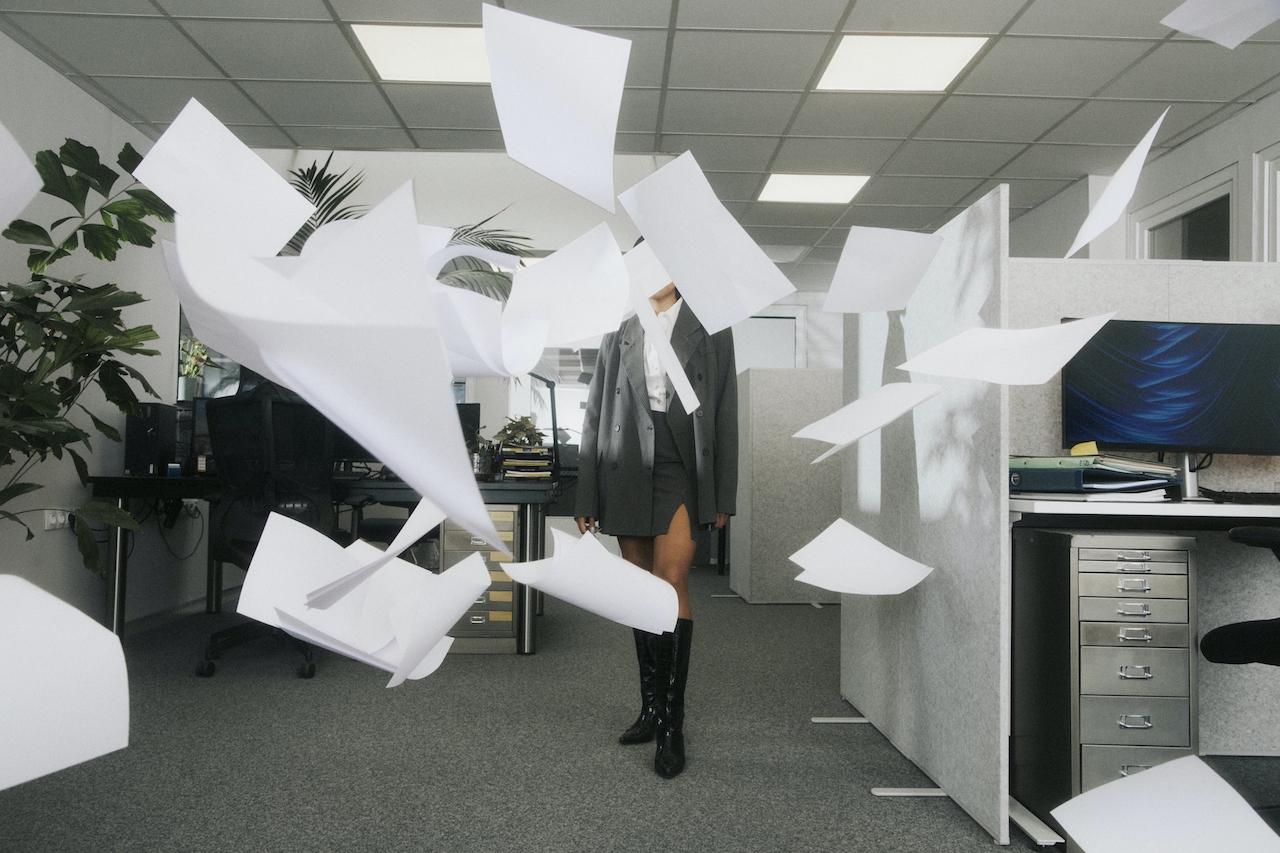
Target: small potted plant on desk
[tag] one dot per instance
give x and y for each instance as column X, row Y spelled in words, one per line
column 521, row 451
column 193, row 357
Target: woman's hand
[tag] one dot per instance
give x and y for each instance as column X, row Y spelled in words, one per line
column 587, row 525
column 722, row 518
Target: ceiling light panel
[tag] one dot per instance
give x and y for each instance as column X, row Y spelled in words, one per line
column 813, row 189
column 425, row 54
column 898, row 63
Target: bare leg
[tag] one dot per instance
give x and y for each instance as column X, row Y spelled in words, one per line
column 637, row 550
column 672, row 556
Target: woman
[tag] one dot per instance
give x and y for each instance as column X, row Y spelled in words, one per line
column 649, row 471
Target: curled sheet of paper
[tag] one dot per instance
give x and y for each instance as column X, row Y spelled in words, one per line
column 879, row 269
column 1184, row 807
column 1008, row 356
column 204, row 172
column 396, row 619
column 558, row 90
column 721, row 272
column 580, row 290
column 866, row 415
column 19, row 180
column 1115, row 198
column 667, row 357
column 477, row 342
column 584, row 574
column 645, row 270
column 65, row 694
column 844, row 559
column 1225, row 22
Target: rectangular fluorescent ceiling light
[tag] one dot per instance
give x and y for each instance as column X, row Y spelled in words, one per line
column 898, row 63
column 814, row 189
column 425, row 54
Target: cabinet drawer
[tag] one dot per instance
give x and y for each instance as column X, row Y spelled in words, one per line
column 1130, row 586
column 1138, row 555
column 1145, row 567
column 462, row 540
column 1102, row 764
column 1135, row 720
column 494, row 599
column 1153, row 636
column 1132, row 610
column 503, row 519
column 490, row 623
column 1134, row 672
column 493, row 560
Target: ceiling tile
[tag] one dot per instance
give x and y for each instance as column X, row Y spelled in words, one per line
column 1068, row 162
column 444, row 105
column 161, row 99
column 926, row 157
column 278, row 51
column 889, row 189
column 104, row 7
column 720, row 60
column 725, row 153
column 1046, row 66
column 1106, row 18
column 830, row 156
column 130, row 47
column 728, row 112
column 460, row 140
column 785, row 213
column 903, row 218
column 1220, row 115
column 351, row 138
column 835, row 238
column 761, row 14
column 295, row 10
column 323, row 104
column 1126, row 122
column 735, row 186
column 736, row 208
column 597, row 13
column 262, row 136
column 776, row 236
column 1198, row 70
column 862, row 113
column 407, row 11
column 648, row 55
column 639, row 111
column 981, row 117
column 633, row 143
column 894, row 16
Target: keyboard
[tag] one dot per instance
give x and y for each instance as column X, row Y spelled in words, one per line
column 1241, row 497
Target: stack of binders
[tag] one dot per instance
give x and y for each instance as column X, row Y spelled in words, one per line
column 1113, row 476
column 524, row 462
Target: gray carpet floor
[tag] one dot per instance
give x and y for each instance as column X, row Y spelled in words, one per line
column 493, row 753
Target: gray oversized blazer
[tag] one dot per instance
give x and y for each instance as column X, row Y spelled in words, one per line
column 615, row 483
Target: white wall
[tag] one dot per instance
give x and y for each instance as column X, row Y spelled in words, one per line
column 41, row 108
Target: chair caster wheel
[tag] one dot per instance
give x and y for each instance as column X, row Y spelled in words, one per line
column 205, row 668
column 306, row 670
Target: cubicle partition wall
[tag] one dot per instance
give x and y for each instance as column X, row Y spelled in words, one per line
column 930, row 668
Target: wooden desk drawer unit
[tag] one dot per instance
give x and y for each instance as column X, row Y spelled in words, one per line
column 493, row 613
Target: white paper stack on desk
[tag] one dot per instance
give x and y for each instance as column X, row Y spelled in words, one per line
column 1077, row 475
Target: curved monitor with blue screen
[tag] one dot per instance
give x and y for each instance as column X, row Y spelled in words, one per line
column 1190, row 387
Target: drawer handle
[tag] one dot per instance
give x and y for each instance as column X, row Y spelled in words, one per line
column 1133, row 568
column 1133, row 672
column 1130, row 769
column 476, row 540
column 1143, row 721
column 480, row 600
column 1133, row 608
column 1138, row 635
column 1133, row 555
column 1133, row 585
column 477, row 620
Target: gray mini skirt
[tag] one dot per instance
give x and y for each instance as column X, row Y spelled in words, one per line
column 673, row 484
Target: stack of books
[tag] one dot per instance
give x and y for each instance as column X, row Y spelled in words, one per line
column 1114, row 477
column 524, row 462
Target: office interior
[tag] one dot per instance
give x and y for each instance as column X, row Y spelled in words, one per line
column 1013, row 152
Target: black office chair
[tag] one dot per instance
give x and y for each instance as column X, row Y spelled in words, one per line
column 274, row 453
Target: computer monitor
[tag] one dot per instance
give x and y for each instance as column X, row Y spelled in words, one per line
column 1181, row 387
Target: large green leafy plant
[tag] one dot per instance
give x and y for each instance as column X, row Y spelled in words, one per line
column 59, row 337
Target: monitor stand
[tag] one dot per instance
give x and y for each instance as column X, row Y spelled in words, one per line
column 1190, row 479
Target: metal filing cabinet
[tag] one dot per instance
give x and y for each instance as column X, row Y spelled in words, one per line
column 1104, row 662
column 490, row 624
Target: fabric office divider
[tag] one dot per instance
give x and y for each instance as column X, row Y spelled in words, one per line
column 929, row 668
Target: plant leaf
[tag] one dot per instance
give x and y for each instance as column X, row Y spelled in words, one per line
column 102, row 426
column 129, row 158
column 8, row 516
column 154, row 205
column 17, row 490
column 102, row 241
column 82, row 469
column 85, row 161
column 105, row 513
column 70, row 188
column 90, row 553
column 27, row 233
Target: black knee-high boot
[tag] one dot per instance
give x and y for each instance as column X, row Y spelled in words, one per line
column 642, row 729
column 673, row 673
column 1244, row 642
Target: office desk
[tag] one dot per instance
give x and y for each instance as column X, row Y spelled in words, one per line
column 124, row 489
column 1160, row 515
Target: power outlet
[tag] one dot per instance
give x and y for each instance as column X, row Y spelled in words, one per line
column 57, row 519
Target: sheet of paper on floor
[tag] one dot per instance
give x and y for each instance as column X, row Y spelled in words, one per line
column 867, row 414
column 65, row 694
column 879, row 269
column 1225, row 22
column 843, row 558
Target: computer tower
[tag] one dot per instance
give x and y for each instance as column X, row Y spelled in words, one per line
column 149, row 441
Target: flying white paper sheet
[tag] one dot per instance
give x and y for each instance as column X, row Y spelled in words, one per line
column 879, row 269
column 866, row 415
column 1008, row 356
column 580, row 290
column 1180, row 806
column 645, row 270
column 1226, row 22
column 64, row 692
column 558, row 91
column 722, row 274
column 19, row 180
column 203, row 171
column 667, row 357
column 1115, row 198
column 584, row 574
column 477, row 342
column 844, row 559
column 395, row 620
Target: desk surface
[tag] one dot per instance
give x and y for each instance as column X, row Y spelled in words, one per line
column 154, row 487
column 1154, row 509
column 397, row 491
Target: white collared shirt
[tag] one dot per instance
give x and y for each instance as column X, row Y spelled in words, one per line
column 655, row 378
